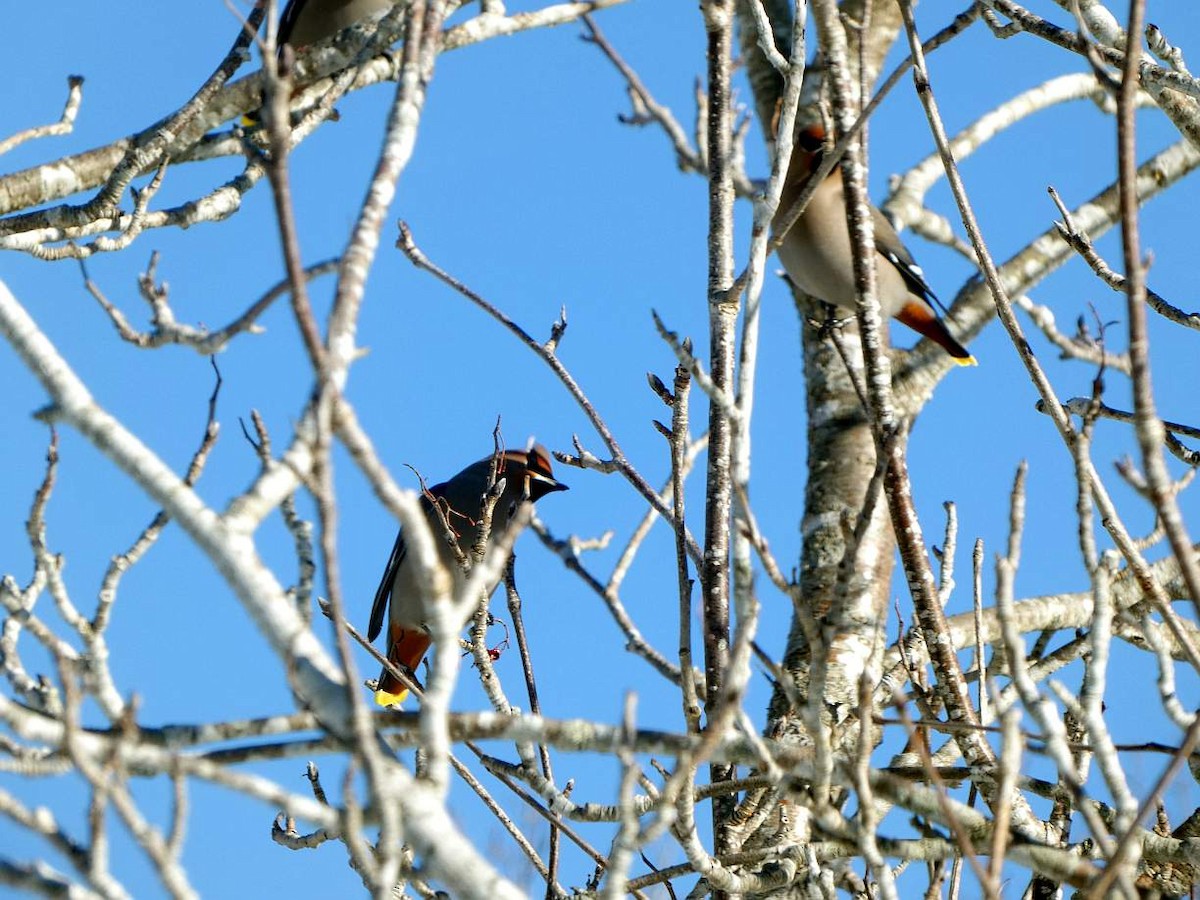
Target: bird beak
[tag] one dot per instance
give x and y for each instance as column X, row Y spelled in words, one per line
column 540, row 486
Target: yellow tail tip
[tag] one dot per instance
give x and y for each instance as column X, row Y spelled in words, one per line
column 386, row 699
column 965, row 360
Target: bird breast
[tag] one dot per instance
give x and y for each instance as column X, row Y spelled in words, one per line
column 817, row 255
column 408, row 603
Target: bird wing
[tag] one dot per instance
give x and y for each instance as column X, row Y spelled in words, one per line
column 889, row 246
column 383, row 593
column 287, row 21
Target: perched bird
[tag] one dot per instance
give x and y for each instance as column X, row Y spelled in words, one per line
column 305, row 22
column 817, row 257
column 527, row 475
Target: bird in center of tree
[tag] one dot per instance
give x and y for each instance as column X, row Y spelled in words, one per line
column 816, row 251
column 527, row 475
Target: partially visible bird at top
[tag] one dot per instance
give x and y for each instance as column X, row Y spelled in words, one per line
column 307, row 22
column 816, row 251
column 527, row 475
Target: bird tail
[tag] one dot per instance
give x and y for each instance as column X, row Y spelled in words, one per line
column 406, row 649
column 921, row 318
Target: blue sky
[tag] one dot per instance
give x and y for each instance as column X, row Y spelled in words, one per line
column 526, row 187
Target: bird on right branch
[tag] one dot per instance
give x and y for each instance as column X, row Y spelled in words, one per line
column 816, row 251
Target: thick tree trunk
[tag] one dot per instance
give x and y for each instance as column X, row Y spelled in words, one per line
column 847, row 552
column 844, row 587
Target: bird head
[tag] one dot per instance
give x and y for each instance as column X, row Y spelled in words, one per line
column 808, row 149
column 810, row 140
column 534, row 465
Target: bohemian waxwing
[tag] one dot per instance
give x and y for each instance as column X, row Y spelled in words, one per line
column 817, row 256
column 305, row 22
column 526, row 473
